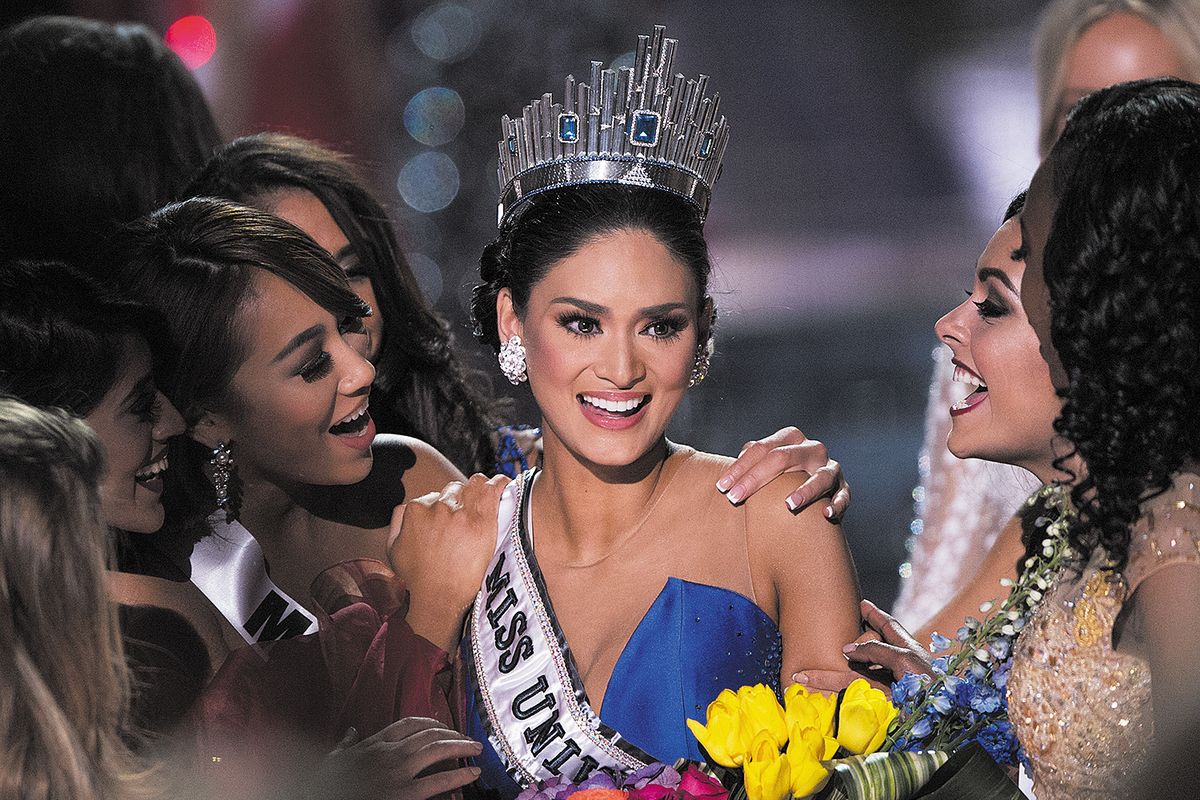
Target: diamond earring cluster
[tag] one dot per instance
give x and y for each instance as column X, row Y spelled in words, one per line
column 512, row 361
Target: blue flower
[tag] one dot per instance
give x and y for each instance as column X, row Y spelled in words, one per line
column 940, row 664
column 938, row 643
column 999, row 648
column 922, row 729
column 985, row 700
column 999, row 742
column 1000, row 676
column 907, row 688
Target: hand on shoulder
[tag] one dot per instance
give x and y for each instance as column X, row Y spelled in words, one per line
column 440, row 545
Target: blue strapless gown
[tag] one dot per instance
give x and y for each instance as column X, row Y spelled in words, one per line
column 693, row 642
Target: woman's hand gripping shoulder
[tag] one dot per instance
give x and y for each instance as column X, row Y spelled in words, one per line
column 802, row 558
column 440, row 545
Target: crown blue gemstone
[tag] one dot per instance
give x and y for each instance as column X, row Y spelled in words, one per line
column 643, row 130
column 512, row 144
column 706, row 145
column 568, row 128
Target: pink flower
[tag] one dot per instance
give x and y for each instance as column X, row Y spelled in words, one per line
column 652, row 791
column 695, row 784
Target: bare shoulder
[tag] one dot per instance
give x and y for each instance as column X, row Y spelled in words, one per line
column 417, row 464
column 403, row 468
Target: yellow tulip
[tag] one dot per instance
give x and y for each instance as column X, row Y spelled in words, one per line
column 806, row 749
column 722, row 734
column 809, row 709
column 761, row 712
column 767, row 773
column 864, row 718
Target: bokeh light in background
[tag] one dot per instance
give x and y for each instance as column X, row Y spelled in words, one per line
column 193, row 39
column 446, row 32
column 434, row 116
column 428, row 274
column 428, row 182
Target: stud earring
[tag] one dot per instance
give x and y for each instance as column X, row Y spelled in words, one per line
column 512, row 361
column 225, row 481
column 700, row 365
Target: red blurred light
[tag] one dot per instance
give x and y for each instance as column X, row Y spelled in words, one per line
column 193, row 39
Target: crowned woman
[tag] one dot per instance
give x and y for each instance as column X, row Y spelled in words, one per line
column 624, row 594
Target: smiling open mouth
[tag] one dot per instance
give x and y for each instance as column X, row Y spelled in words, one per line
column 964, row 375
column 616, row 408
column 353, row 425
column 152, row 470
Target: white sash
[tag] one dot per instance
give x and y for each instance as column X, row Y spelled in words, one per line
column 532, row 702
column 229, row 568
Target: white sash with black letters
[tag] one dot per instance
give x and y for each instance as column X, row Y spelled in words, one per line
column 531, row 699
column 229, row 568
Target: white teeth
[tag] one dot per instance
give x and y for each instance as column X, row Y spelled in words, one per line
column 962, row 375
column 355, row 415
column 153, row 470
column 613, row 406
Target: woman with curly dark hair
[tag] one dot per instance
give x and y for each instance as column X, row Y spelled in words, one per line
column 1110, row 236
column 1113, row 235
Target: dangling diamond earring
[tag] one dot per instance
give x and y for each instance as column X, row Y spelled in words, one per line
column 224, row 478
column 512, row 361
column 700, row 366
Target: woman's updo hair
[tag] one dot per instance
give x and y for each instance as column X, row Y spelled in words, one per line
column 1124, row 282
column 556, row 224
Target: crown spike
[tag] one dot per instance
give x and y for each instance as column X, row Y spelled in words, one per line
column 641, row 61
column 643, row 125
column 656, row 47
column 549, row 121
column 668, row 59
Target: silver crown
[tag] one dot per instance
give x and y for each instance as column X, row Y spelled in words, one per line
column 640, row 127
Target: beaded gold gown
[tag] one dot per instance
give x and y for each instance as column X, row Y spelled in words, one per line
column 1081, row 709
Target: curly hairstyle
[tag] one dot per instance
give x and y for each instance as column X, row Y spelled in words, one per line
column 557, row 223
column 421, row 387
column 1124, row 281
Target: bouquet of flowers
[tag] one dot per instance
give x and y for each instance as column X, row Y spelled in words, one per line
column 965, row 701
column 811, row 745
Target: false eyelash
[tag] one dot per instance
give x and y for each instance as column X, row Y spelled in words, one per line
column 148, row 407
column 675, row 324
column 318, row 368
column 566, row 318
column 989, row 309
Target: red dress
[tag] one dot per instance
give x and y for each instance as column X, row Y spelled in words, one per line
column 365, row 669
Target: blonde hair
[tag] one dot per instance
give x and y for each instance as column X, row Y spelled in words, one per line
column 64, row 694
column 1065, row 21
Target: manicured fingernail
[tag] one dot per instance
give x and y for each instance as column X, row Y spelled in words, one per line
column 828, row 512
column 791, row 503
column 475, row 772
column 850, row 648
column 724, row 484
column 800, row 677
column 735, row 494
